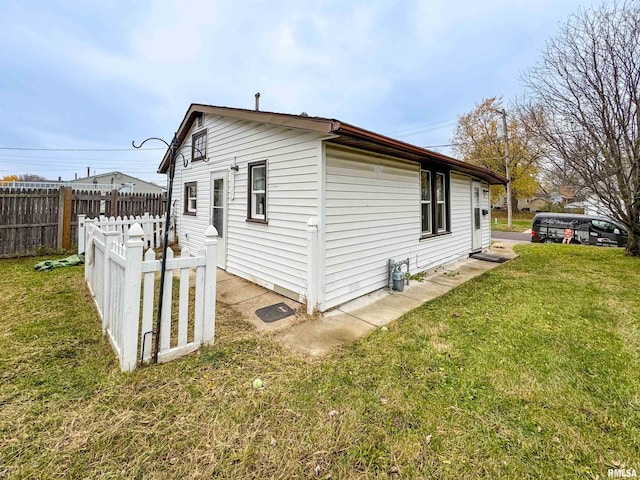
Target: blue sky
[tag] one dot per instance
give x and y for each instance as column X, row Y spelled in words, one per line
column 80, row 74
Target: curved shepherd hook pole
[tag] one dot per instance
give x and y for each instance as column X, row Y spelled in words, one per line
column 173, row 147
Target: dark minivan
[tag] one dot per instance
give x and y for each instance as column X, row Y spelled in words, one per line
column 576, row 228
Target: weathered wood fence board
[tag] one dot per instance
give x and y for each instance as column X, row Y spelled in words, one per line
column 35, row 219
column 27, row 220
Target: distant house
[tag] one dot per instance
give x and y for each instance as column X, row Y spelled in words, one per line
column 119, row 181
column 313, row 208
column 593, row 205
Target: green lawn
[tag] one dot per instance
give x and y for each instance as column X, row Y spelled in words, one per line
column 501, row 225
column 520, row 222
column 529, row 371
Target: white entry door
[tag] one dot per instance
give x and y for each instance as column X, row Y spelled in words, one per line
column 476, row 217
column 219, row 213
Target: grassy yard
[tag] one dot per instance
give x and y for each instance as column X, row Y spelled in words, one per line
column 520, row 221
column 501, row 225
column 529, row 371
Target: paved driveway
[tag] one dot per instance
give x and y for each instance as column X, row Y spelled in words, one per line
column 517, row 237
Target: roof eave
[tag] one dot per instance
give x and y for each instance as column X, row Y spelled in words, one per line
column 375, row 138
column 313, row 124
column 327, row 126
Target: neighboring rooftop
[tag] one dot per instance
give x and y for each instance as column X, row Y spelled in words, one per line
column 120, row 180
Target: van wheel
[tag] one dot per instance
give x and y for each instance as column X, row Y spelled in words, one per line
column 548, row 240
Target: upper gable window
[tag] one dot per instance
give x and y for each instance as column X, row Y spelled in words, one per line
column 199, row 120
column 199, row 146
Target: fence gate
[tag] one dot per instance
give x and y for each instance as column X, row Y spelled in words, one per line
column 123, row 282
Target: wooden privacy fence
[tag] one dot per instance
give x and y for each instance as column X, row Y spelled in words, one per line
column 28, row 220
column 35, row 219
column 123, row 283
column 153, row 228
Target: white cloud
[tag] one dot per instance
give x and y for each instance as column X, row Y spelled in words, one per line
column 382, row 64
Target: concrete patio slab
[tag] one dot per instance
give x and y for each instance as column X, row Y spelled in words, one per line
column 359, row 317
column 236, row 290
column 449, row 279
column 221, row 275
column 425, row 291
column 319, row 337
column 313, row 336
column 248, row 309
column 504, row 248
column 476, row 268
column 387, row 309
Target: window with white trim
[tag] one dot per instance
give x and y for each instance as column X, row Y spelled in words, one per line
column 257, row 201
column 434, row 202
column 441, row 202
column 425, row 200
column 190, row 198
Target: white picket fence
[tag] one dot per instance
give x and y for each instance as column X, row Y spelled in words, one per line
column 153, row 228
column 122, row 281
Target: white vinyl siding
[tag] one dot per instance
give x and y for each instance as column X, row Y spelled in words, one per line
column 485, row 204
column 272, row 255
column 373, row 213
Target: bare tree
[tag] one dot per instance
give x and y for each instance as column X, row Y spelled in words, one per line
column 30, row 177
column 584, row 96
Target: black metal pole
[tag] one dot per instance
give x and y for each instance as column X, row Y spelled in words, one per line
column 165, row 245
column 173, row 148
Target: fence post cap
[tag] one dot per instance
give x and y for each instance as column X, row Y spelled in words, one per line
column 211, row 232
column 136, row 230
column 312, row 222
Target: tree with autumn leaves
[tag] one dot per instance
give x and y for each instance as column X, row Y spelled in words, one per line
column 579, row 122
column 479, row 139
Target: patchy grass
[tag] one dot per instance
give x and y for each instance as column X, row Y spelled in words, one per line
column 529, row 371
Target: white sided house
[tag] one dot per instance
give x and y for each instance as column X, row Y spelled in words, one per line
column 313, row 208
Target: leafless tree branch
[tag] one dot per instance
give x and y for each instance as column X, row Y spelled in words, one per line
column 584, row 105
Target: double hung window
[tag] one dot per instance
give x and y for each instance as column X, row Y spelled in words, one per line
column 257, row 201
column 425, row 200
column 190, row 198
column 434, row 202
column 199, row 146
